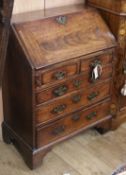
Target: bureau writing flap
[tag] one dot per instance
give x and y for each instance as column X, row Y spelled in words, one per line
column 61, row 37
column 5, row 15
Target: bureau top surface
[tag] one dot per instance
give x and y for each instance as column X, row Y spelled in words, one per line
column 59, row 38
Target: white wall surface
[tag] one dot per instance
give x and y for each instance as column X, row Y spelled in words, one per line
column 29, row 5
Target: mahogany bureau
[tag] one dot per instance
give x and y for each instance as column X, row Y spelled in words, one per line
column 58, row 80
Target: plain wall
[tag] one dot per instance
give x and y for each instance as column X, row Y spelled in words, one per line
column 29, row 5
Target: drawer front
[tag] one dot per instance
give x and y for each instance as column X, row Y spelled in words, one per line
column 72, row 123
column 87, row 65
column 80, row 81
column 72, row 102
column 57, row 73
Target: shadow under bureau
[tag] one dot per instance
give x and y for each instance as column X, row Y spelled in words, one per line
column 58, row 80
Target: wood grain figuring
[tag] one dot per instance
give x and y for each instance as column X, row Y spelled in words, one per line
column 104, row 59
column 71, row 124
column 65, row 71
column 73, row 84
column 51, row 53
column 60, row 72
column 48, row 45
column 101, row 91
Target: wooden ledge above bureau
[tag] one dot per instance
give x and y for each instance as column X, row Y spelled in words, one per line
column 58, row 80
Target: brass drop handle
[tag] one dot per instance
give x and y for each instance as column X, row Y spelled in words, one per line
column 59, row 109
column 77, row 83
column 76, row 98
column 75, row 117
column 58, row 130
column 93, row 95
column 91, row 116
column 60, row 91
column 59, row 75
column 96, row 67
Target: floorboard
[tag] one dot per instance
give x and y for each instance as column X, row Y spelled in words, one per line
column 89, row 153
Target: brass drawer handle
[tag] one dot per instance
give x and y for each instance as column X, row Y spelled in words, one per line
column 93, row 95
column 61, row 20
column 91, row 116
column 59, row 75
column 58, row 130
column 60, row 91
column 75, row 117
column 59, row 109
column 77, row 83
column 96, row 70
column 76, row 98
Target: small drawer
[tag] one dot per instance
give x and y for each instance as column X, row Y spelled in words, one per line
column 72, row 102
column 61, row 89
column 102, row 60
column 72, row 123
column 56, row 73
column 73, row 84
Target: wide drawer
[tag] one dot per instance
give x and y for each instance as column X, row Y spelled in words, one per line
column 72, row 102
column 72, row 123
column 103, row 60
column 72, row 84
column 56, row 73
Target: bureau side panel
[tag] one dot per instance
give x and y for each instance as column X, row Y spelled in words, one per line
column 17, row 92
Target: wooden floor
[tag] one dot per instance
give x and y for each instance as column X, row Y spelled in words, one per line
column 86, row 154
